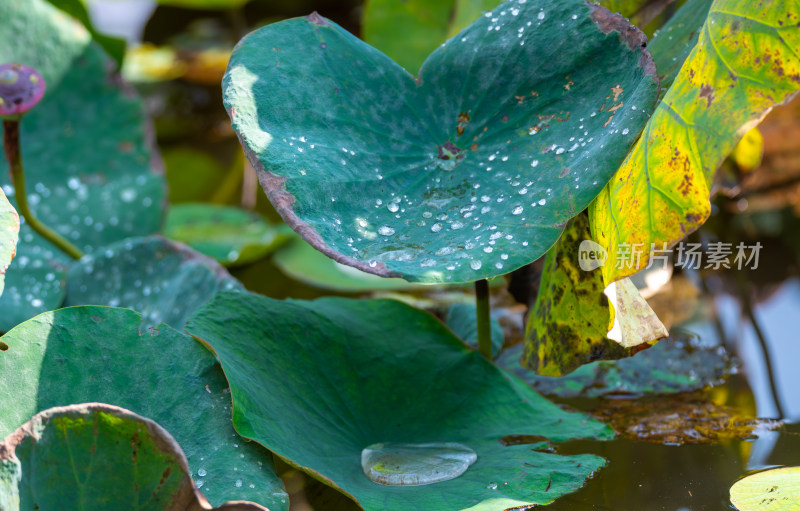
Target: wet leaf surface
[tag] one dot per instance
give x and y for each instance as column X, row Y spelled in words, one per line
column 103, row 354
column 162, row 280
column 95, row 457
column 677, row 364
column 467, row 173
column 304, row 263
column 231, row 235
column 9, row 232
column 345, row 388
column 87, row 162
column 679, row 419
column 771, row 490
column 744, row 63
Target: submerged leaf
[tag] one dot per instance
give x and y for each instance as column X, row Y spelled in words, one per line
column 97, row 457
column 231, row 235
column 772, row 490
column 160, row 279
column 87, row 160
column 744, row 63
column 673, row 365
column 344, row 375
column 103, row 354
column 9, row 231
column 467, row 172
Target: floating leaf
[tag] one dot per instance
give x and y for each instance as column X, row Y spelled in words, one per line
column 772, row 490
column 570, row 320
column 408, row 31
column 230, row 235
column 9, row 230
column 95, row 457
column 160, row 279
column 302, row 262
column 347, row 374
column 468, row 172
column 673, row 365
column 462, row 318
column 744, row 63
column 84, row 148
column 103, row 354
column 679, row 419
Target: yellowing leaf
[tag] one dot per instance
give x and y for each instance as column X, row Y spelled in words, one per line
column 747, row 153
column 746, row 61
column 772, row 490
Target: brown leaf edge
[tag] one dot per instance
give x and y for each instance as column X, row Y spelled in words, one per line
column 188, row 497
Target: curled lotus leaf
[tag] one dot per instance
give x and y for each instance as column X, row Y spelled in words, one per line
column 465, row 172
column 97, row 457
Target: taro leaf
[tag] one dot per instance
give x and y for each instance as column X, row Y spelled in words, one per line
column 302, row 262
column 162, row 280
column 114, row 46
column 571, row 317
column 744, row 63
column 407, row 31
column 345, row 374
column 87, row 162
column 231, row 235
column 772, row 490
column 97, row 457
column 462, row 318
column 673, row 365
column 466, row 173
column 103, row 354
column 9, row 230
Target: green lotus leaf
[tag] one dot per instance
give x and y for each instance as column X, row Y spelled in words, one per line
column 408, row 31
column 338, row 383
column 745, row 62
column 676, row 364
column 462, row 318
column 162, row 280
column 231, row 235
column 87, row 161
column 114, row 46
column 9, row 230
column 467, row 172
column 303, row 262
column 771, row 490
column 97, row 457
column 104, row 354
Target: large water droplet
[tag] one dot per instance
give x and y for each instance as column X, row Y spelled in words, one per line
column 385, row 230
column 398, row 464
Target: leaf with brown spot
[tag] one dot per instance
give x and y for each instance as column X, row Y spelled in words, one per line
column 745, row 62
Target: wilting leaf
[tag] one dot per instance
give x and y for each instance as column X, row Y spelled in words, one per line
column 9, row 230
column 346, row 374
column 570, row 320
column 635, row 322
column 95, row 457
column 230, row 235
column 103, row 354
column 84, row 148
column 462, row 318
column 678, row 419
column 744, row 63
column 469, row 171
column 772, row 490
column 114, row 46
column 160, row 279
column 302, row 262
column 408, row 31
column 673, row 365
